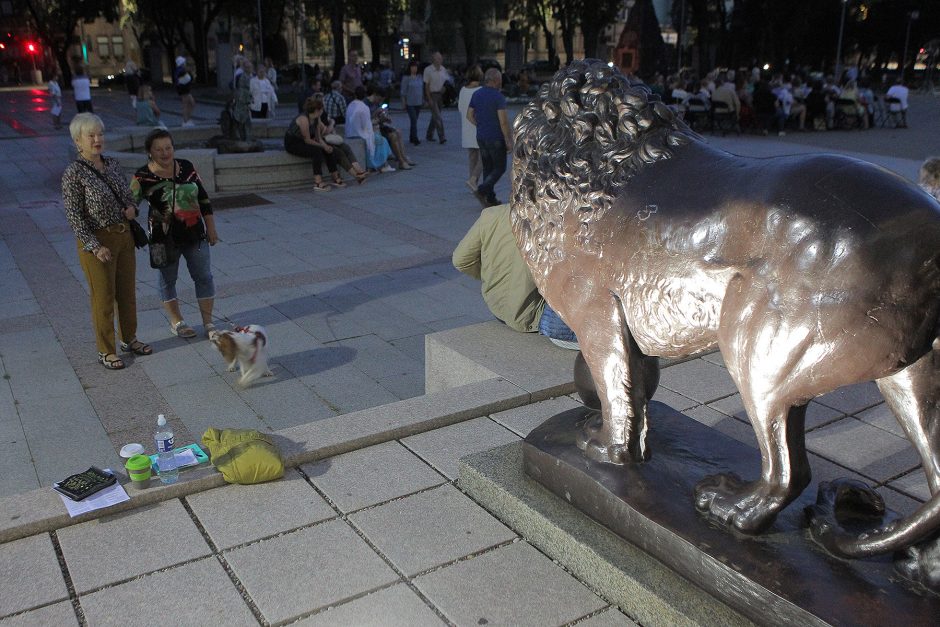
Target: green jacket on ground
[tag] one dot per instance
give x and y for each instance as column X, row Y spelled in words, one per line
column 488, row 252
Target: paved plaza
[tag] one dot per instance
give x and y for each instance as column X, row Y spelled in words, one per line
column 348, row 284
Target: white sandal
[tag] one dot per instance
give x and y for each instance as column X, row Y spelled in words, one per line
column 183, row 330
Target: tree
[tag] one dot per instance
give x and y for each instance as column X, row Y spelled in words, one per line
column 163, row 19
column 56, row 21
column 335, row 11
column 535, row 14
column 375, row 17
column 593, row 17
column 565, row 13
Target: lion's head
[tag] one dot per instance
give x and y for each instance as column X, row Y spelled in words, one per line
column 577, row 145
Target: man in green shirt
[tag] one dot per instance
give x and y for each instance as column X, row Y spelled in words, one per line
column 488, row 252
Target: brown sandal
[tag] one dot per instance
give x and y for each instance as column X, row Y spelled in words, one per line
column 137, row 347
column 114, row 363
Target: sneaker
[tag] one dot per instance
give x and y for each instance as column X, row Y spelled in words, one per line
column 443, row 141
column 190, row 123
column 387, row 168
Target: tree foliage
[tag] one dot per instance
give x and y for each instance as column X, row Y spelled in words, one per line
column 56, row 21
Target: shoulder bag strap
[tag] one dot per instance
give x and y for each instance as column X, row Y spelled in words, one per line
column 104, row 180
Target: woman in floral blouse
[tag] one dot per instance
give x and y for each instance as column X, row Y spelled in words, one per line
column 180, row 209
column 98, row 205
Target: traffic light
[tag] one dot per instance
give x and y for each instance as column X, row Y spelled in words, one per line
column 31, row 47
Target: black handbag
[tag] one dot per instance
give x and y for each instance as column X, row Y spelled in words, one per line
column 140, row 235
column 137, row 231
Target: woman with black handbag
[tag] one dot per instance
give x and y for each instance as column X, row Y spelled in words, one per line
column 181, row 225
column 99, row 207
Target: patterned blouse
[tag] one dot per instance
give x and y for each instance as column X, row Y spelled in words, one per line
column 184, row 193
column 90, row 204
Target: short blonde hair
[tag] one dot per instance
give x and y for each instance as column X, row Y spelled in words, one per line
column 930, row 172
column 82, row 122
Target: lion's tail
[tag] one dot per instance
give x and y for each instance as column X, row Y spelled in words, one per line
column 895, row 536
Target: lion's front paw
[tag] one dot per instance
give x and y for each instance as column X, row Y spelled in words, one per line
column 749, row 506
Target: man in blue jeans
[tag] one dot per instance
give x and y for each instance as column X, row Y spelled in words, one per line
column 487, row 112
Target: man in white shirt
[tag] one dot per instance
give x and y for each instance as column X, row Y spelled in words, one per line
column 81, row 89
column 899, row 91
column 435, row 75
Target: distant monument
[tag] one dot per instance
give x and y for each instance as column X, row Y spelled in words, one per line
column 515, row 49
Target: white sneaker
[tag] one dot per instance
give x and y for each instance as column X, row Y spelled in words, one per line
column 189, row 123
column 387, row 168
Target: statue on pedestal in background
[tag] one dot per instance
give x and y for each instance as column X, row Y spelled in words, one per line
column 515, row 49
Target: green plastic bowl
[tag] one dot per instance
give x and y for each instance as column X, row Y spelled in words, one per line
column 138, row 467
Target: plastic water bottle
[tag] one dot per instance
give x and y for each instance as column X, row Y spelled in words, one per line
column 166, row 460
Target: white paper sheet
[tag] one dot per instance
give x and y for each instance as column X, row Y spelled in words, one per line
column 112, row 495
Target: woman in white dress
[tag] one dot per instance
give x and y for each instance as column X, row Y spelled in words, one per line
column 468, row 136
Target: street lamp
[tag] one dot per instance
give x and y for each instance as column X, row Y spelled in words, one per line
column 913, row 15
column 839, row 48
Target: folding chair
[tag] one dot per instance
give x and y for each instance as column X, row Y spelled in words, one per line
column 696, row 114
column 723, row 118
column 847, row 115
column 893, row 114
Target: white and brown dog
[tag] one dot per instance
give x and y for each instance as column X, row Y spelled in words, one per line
column 246, row 347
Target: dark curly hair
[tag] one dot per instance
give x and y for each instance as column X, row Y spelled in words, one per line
column 576, row 146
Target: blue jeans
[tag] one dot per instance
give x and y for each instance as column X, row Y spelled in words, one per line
column 197, row 262
column 413, row 111
column 493, row 156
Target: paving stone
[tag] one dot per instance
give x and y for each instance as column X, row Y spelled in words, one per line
column 118, row 547
column 65, row 436
column 181, row 364
column 211, row 403
column 59, row 614
column 306, row 570
column 868, row 450
column 489, row 588
column 236, row 514
column 673, row 399
column 740, row 431
column 371, row 475
column 430, row 528
column 397, row 606
column 914, row 484
column 882, row 417
column 699, row 380
column 30, row 575
column 218, row 601
column 285, row 402
column 816, row 413
column 443, row 448
column 900, row 503
column 611, row 617
column 852, row 398
column 348, row 389
column 521, row 420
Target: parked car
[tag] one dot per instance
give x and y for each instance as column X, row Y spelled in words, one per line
column 120, row 79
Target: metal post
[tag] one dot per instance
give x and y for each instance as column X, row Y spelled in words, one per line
column 913, row 15
column 260, row 35
column 679, row 33
column 838, row 73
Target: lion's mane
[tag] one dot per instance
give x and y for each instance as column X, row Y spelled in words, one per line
column 576, row 146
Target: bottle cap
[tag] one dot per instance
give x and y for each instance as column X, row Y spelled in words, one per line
column 161, row 420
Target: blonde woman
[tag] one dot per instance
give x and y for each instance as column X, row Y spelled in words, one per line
column 98, row 204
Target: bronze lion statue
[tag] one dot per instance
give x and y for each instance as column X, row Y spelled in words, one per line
column 808, row 272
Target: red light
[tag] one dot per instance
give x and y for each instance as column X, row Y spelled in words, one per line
column 3, row 46
column 31, row 47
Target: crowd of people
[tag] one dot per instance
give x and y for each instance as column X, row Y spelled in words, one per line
column 756, row 100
